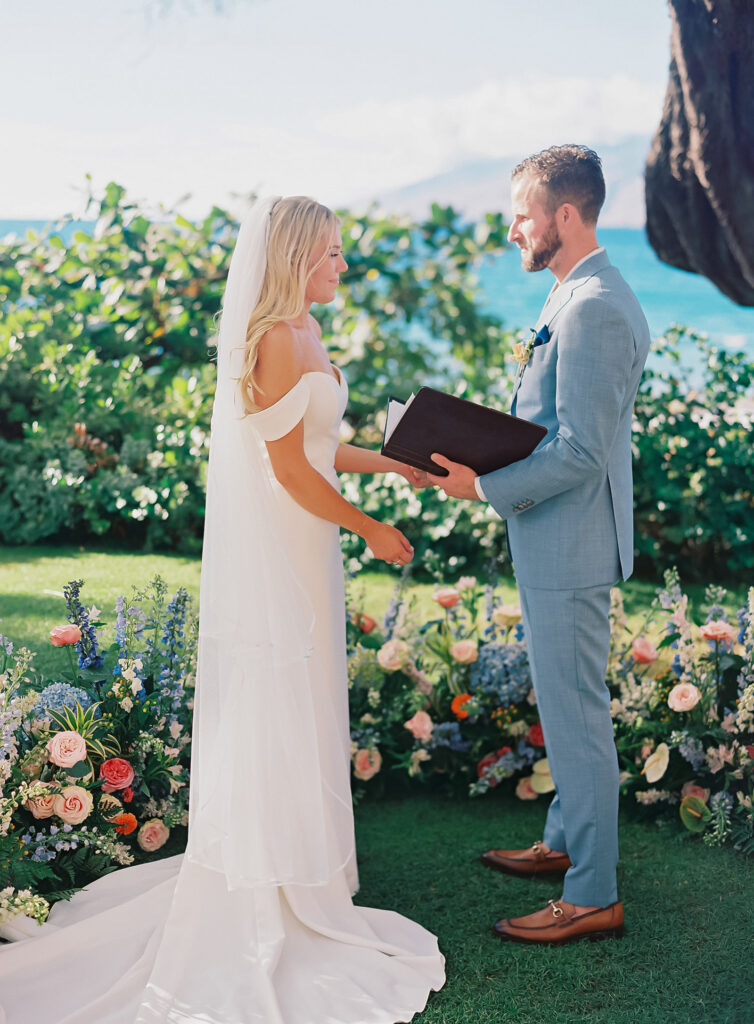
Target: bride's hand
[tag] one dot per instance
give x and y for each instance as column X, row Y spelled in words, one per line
column 389, row 544
column 416, row 477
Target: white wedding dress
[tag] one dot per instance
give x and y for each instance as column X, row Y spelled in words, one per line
column 173, row 941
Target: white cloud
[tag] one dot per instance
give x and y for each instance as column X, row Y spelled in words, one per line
column 353, row 152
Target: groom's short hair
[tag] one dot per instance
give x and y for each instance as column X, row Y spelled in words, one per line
column 568, row 174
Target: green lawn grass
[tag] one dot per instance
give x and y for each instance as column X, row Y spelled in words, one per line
column 686, row 957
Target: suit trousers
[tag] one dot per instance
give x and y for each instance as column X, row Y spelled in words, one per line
column 568, row 640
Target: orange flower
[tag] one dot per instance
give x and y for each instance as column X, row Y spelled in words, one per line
column 457, row 705
column 125, row 824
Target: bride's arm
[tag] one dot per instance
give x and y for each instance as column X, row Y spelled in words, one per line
column 279, row 370
column 349, row 458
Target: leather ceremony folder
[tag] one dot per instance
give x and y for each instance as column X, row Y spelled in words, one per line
column 463, row 431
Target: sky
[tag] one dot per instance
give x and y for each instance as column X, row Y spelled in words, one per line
column 339, row 99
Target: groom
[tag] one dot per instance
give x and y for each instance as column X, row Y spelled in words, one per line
column 569, row 511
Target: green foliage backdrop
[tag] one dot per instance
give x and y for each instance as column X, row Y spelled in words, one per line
column 106, row 382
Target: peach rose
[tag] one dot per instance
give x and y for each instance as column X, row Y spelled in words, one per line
column 63, row 636
column 420, row 726
column 117, row 773
column 366, row 764
column 464, row 651
column 644, row 651
column 393, row 655
column 152, row 835
column 524, row 789
column 73, row 804
column 447, row 596
column 684, row 697
column 65, row 749
column 692, row 789
column 720, row 631
column 506, row 615
column 42, row 806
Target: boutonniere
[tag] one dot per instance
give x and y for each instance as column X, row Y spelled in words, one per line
column 522, row 350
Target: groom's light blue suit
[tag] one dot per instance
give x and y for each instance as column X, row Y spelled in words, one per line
column 569, row 508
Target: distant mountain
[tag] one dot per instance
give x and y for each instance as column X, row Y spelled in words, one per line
column 483, row 185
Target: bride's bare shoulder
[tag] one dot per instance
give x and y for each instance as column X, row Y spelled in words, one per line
column 279, row 365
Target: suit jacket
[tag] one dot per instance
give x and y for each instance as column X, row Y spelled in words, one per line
column 569, row 505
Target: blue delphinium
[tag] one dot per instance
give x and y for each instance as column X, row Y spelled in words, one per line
column 448, row 734
column 502, row 672
column 89, row 656
column 61, row 695
column 690, row 748
column 172, row 652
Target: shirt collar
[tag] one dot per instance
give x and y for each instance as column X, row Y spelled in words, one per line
column 575, row 267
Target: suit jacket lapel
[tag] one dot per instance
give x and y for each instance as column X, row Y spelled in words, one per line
column 559, row 295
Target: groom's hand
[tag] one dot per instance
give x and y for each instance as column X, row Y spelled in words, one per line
column 460, row 480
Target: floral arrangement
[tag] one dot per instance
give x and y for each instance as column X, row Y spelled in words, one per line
column 448, row 698
column 683, row 708
column 94, row 765
column 452, row 698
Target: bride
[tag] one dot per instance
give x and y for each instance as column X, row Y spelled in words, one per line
column 255, row 924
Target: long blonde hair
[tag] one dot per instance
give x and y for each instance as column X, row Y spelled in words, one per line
column 297, row 226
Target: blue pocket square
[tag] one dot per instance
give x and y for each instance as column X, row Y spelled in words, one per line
column 541, row 337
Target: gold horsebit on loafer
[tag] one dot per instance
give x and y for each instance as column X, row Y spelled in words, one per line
column 557, row 910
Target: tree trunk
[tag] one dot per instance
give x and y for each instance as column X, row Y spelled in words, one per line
column 699, row 177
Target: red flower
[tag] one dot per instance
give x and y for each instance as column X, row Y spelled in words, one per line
column 125, row 824
column 535, row 736
column 750, row 752
column 487, row 762
column 127, row 795
column 365, row 623
column 457, row 704
column 117, row 773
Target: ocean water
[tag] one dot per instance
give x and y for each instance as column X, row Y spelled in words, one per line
column 667, row 295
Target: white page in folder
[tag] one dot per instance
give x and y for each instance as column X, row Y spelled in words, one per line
column 395, row 411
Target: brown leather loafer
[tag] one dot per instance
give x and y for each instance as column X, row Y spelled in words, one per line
column 524, row 863
column 558, row 924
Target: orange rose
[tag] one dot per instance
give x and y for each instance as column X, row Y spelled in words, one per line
column 366, row 764
column 63, row 636
column 721, row 632
column 457, row 704
column 447, row 596
column 644, row 651
column 692, row 789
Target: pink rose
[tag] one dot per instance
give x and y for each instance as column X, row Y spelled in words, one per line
column 447, row 596
column 524, row 789
column 73, row 804
column 393, row 655
column 466, row 583
column 420, row 726
column 720, row 631
column 42, row 806
column 684, row 697
column 117, row 773
column 63, row 636
column 366, row 763
column 464, row 651
column 65, row 749
column 152, row 835
column 692, row 789
column 644, row 651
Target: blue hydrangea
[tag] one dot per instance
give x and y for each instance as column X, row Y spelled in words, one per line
column 57, row 696
column 502, row 672
column 448, row 734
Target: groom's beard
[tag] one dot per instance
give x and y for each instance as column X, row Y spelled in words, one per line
column 543, row 253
